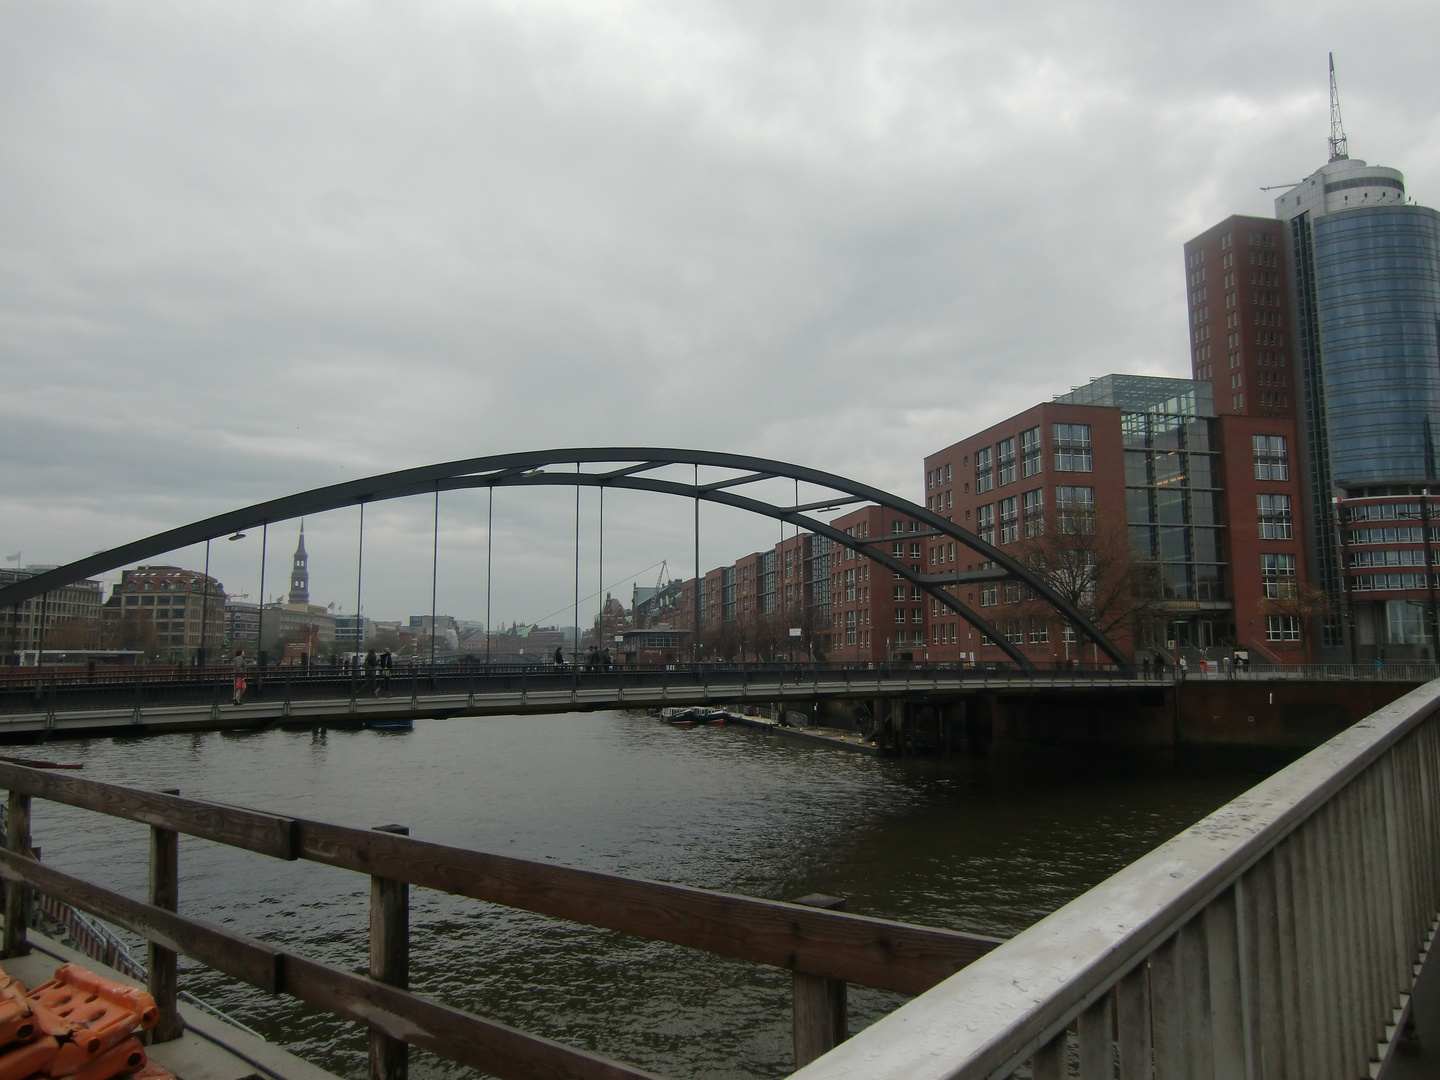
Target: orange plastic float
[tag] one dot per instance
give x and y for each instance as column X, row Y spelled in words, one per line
column 77, row 1026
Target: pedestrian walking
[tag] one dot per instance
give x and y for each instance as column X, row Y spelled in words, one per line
column 370, row 664
column 559, row 657
column 606, row 660
column 387, row 667
column 1184, row 668
column 1145, row 665
column 239, row 668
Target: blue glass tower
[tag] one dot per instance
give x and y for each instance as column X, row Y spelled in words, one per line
column 1366, row 317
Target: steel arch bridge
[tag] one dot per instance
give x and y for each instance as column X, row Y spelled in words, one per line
column 615, row 467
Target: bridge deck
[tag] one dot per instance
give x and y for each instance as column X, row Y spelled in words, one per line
column 195, row 705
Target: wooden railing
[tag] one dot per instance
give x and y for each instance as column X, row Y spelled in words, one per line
column 825, row 948
column 1279, row 937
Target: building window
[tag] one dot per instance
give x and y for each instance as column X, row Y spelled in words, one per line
column 1009, row 520
column 850, row 586
column 1072, row 447
column 1034, row 507
column 849, row 628
column 1030, row 452
column 1012, row 593
column 1271, row 461
column 917, row 615
column 1275, row 521
column 899, row 594
column 1282, row 628
column 1277, row 575
column 1012, row 631
column 989, row 595
column 985, row 519
column 900, row 615
column 1075, row 509
column 1005, row 461
column 984, row 469
column 1039, row 632
column 897, row 549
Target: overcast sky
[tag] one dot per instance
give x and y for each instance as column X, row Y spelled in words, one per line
column 248, row 249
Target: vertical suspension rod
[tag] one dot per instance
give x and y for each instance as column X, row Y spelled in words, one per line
column 600, row 626
column 575, row 650
column 260, row 621
column 489, row 551
column 359, row 582
column 434, row 578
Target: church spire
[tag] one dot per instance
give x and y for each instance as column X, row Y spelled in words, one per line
column 300, row 574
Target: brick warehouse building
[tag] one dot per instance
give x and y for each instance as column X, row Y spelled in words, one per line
column 1129, row 482
column 874, row 614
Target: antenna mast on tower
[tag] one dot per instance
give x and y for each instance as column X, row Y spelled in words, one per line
column 1339, row 148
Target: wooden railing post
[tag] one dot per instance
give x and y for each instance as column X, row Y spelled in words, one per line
column 17, row 895
column 819, row 1003
column 162, row 980
column 389, row 962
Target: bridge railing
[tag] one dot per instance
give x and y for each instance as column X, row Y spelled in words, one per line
column 53, row 689
column 824, row 948
column 60, row 690
column 1276, row 938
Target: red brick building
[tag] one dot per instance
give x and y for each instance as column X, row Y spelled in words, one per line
column 1162, row 520
column 874, row 614
column 1012, row 484
column 1238, row 284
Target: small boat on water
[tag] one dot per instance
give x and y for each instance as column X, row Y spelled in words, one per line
column 398, row 724
column 692, row 716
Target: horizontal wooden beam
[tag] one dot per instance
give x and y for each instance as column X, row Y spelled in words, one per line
column 491, row 1047
column 870, row 952
column 459, row 1036
column 252, row 830
column 242, row 957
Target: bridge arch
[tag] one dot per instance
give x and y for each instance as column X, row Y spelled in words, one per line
column 623, row 467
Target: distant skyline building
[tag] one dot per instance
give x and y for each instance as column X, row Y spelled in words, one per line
column 300, row 571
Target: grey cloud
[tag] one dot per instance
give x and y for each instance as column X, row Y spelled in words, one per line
column 250, row 250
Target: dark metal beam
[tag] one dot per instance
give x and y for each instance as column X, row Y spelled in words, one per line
column 519, row 469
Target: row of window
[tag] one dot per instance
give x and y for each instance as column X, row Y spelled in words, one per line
column 1391, row 582
column 1403, row 557
column 1395, row 534
column 997, row 465
column 1074, row 509
column 1384, row 512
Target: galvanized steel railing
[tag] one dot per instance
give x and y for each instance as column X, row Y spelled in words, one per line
column 1276, row 938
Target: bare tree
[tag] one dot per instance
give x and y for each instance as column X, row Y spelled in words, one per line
column 136, row 630
column 1086, row 559
column 1301, row 603
column 76, row 633
column 726, row 640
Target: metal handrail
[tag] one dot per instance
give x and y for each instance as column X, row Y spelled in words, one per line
column 1308, row 897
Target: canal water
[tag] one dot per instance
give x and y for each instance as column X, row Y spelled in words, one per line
column 962, row 845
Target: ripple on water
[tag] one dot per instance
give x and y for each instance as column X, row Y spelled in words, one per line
column 725, row 808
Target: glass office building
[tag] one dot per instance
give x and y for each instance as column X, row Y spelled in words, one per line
column 1366, row 318
column 1377, row 290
